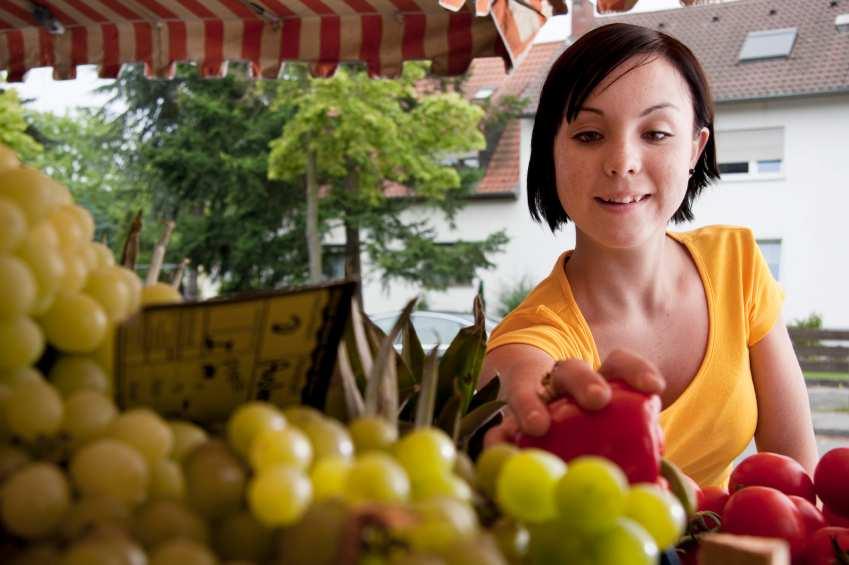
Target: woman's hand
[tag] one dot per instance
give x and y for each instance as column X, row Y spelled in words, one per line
column 526, row 398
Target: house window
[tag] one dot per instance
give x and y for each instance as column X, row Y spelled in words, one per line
column 770, row 44
column 748, row 153
column 469, row 159
column 771, row 250
column 333, row 262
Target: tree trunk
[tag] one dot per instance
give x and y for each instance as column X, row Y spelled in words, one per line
column 191, row 286
column 313, row 237
column 352, row 242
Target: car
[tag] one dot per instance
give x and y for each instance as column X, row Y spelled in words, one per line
column 434, row 328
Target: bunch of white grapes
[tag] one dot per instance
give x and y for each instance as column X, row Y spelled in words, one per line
column 82, row 482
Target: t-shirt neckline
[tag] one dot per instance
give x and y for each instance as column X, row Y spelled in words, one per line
column 683, row 239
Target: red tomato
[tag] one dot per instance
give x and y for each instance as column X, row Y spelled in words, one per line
column 820, row 549
column 713, row 499
column 811, row 515
column 766, row 512
column 830, row 480
column 833, row 518
column 773, row 470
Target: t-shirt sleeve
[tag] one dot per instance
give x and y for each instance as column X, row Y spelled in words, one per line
column 765, row 295
column 538, row 326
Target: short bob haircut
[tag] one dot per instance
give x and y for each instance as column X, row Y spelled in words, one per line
column 572, row 78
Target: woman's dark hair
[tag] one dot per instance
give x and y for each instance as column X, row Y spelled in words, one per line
column 572, row 78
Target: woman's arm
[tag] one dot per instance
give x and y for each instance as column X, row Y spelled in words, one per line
column 784, row 412
column 521, row 369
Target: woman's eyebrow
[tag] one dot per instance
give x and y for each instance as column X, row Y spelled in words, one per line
column 645, row 112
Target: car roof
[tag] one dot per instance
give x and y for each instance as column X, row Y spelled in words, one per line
column 460, row 316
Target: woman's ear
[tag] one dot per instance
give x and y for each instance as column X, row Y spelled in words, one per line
column 699, row 143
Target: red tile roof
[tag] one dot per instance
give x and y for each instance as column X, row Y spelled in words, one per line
column 502, row 174
column 817, row 64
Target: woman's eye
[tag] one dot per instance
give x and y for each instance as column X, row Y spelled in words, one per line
column 587, row 136
column 657, row 135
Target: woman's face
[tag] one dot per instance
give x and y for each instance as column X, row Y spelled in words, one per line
column 622, row 165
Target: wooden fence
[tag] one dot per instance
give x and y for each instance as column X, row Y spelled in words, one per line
column 821, row 350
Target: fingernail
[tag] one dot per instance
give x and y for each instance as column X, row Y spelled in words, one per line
column 534, row 421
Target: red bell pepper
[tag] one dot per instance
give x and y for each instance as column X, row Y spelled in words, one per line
column 626, row 431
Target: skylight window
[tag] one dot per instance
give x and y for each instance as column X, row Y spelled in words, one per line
column 484, row 93
column 768, row 44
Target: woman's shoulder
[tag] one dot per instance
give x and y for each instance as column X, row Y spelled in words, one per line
column 717, row 238
column 549, row 300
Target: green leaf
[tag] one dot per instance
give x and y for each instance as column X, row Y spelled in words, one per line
column 476, row 418
column 353, row 399
column 362, row 346
column 412, row 352
column 450, row 416
column 679, row 486
column 382, row 387
column 407, row 384
column 487, row 394
column 461, row 364
column 426, row 401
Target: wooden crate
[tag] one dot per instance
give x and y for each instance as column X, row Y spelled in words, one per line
column 727, row 549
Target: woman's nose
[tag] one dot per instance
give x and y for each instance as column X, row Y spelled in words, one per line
column 622, row 159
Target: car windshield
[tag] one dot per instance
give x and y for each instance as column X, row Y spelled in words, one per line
column 433, row 327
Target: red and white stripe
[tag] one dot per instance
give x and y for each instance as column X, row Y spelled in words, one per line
column 160, row 33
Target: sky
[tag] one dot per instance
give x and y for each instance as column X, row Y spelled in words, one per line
column 60, row 97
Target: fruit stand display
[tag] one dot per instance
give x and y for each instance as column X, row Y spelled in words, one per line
column 383, row 475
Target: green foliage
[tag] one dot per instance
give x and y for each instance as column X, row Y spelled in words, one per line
column 225, row 159
column 199, row 147
column 498, row 114
column 417, row 388
column 13, row 126
column 82, row 151
column 813, row 320
column 366, row 133
column 512, row 296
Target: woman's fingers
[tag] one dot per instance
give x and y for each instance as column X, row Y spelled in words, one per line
column 504, row 432
column 576, row 378
column 526, row 399
column 633, row 369
column 526, row 405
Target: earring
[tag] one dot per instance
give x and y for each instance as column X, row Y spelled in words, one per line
column 692, row 171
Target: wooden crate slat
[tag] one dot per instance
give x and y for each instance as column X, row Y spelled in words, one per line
column 817, row 334
column 830, row 351
column 825, row 366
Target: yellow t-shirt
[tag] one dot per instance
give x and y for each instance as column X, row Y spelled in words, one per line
column 715, row 417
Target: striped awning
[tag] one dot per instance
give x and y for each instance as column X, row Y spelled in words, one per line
column 159, row 33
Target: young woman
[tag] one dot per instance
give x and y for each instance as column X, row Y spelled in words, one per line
column 622, row 145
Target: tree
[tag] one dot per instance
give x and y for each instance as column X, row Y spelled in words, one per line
column 353, row 135
column 13, row 126
column 199, row 148
column 83, row 151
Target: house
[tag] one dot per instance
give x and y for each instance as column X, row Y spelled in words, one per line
column 779, row 72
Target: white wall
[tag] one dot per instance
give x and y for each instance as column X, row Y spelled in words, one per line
column 808, row 209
